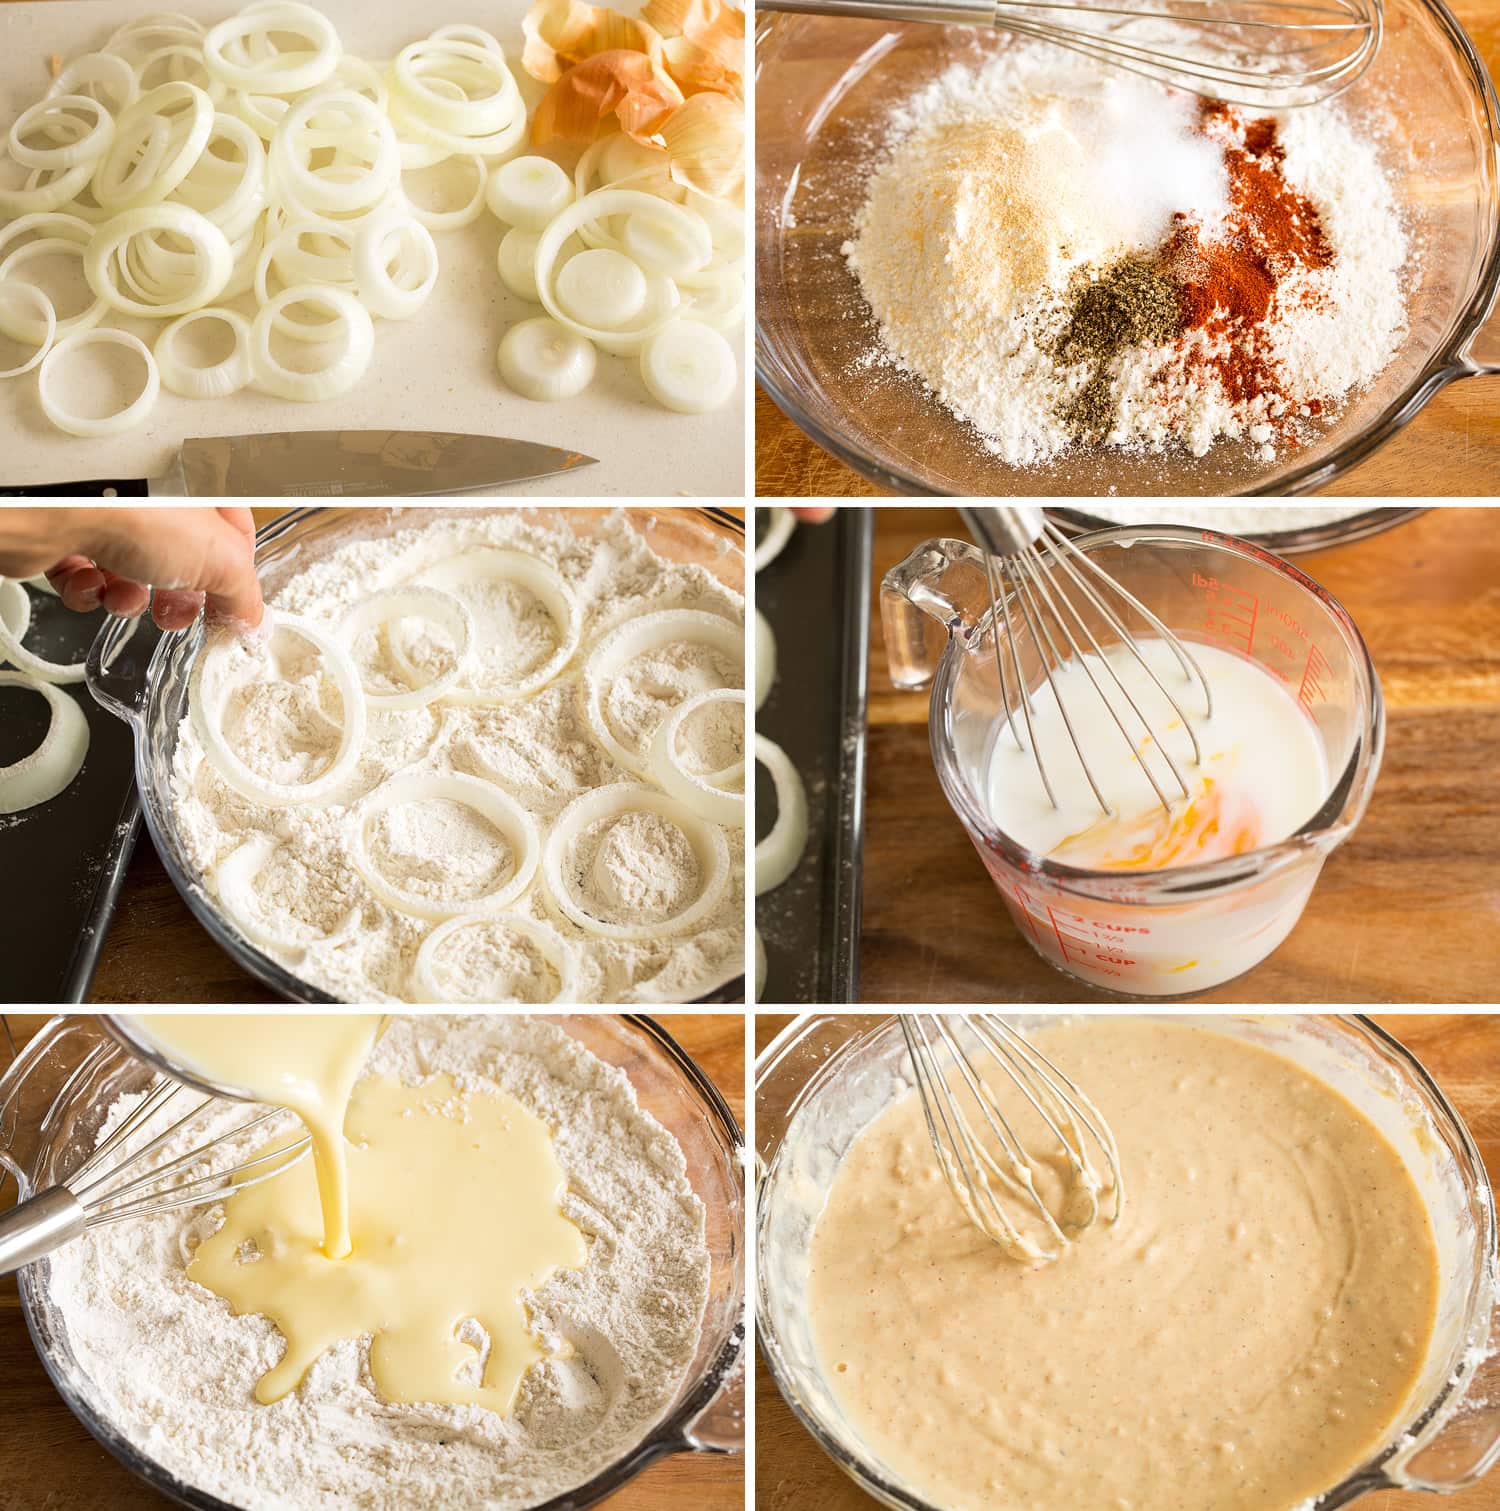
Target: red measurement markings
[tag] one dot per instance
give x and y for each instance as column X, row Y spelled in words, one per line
column 1229, row 613
column 1024, row 903
column 1084, row 948
column 1311, row 690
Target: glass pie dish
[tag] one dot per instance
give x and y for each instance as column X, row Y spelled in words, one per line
column 824, row 90
column 59, row 1090
column 143, row 679
column 825, row 1077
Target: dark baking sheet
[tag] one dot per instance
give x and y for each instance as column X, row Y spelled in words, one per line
column 62, row 863
column 816, row 596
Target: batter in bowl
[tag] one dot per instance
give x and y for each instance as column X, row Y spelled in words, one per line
column 1249, row 1332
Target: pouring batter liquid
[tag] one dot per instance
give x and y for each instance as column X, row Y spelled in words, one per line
column 1249, row 1332
column 1263, row 772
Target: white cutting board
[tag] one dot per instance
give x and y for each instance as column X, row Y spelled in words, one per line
column 435, row 371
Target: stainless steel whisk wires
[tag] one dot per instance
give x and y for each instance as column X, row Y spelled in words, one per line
column 987, row 1163
column 115, row 1181
column 1023, row 557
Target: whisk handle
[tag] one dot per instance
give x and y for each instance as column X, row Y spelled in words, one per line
column 940, row 12
column 34, row 1228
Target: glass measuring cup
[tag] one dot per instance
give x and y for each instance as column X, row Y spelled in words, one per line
column 1159, row 933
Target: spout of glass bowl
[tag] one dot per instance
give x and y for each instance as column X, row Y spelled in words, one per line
column 720, row 1426
column 116, row 666
column 940, row 590
column 1481, row 352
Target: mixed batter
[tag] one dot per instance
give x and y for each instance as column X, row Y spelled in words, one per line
column 1247, row 1334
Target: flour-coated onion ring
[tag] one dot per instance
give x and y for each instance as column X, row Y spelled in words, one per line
column 392, row 604
column 234, row 881
column 341, row 374
column 706, row 798
column 710, row 849
column 279, row 72
column 206, row 710
column 29, row 291
column 778, row 533
column 780, row 852
column 127, row 177
column 214, row 262
column 219, row 379
column 494, row 565
column 635, row 637
column 51, row 767
column 486, row 799
column 82, row 149
column 555, row 950
column 765, row 659
column 85, row 426
column 15, row 609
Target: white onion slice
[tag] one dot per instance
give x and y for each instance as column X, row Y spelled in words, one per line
column 512, row 820
column 92, row 71
column 15, row 609
column 518, row 263
column 556, row 951
column 391, row 604
column 687, row 366
column 491, row 564
column 780, row 852
column 546, row 361
column 29, row 291
column 206, row 709
column 379, row 289
column 213, row 262
column 528, row 192
column 467, row 213
column 27, row 661
column 86, row 148
column 39, row 198
column 234, row 881
column 25, row 328
column 342, row 372
column 765, row 659
column 278, row 73
column 87, row 426
column 635, row 637
column 709, row 848
column 601, row 287
column 706, row 798
column 778, row 533
column 219, row 379
column 306, row 128
column 450, row 59
column 51, row 767
column 130, row 174
column 760, row 966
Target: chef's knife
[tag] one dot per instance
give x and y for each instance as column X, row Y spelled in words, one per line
column 333, row 463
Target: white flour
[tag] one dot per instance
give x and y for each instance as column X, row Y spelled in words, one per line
column 538, row 749
column 998, row 183
column 175, row 1371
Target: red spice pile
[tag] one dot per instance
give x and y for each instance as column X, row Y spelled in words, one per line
column 1231, row 284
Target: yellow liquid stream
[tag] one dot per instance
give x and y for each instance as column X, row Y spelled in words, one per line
column 455, row 1207
column 306, row 1062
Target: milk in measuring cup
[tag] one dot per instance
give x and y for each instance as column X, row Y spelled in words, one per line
column 1262, row 774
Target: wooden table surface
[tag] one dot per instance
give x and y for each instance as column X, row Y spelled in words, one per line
column 156, row 951
column 1451, row 449
column 1407, row 910
column 1463, row 1053
column 48, row 1462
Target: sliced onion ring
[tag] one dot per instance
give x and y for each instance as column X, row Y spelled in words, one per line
column 206, row 708
column 43, row 306
column 512, row 820
column 706, row 798
column 56, row 761
column 23, row 660
column 15, row 608
column 633, row 638
column 84, row 425
column 708, row 842
column 417, row 603
column 217, row 380
column 556, row 951
column 234, row 881
column 494, row 565
column 780, row 852
column 213, row 262
column 778, row 533
column 765, row 659
column 345, row 369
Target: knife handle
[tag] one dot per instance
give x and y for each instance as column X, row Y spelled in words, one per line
column 100, row 488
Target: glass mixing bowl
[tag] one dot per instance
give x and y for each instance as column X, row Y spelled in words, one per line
column 143, row 679
column 823, row 1079
column 55, row 1098
column 825, row 88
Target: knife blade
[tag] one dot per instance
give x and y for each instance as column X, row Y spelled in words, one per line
column 333, row 464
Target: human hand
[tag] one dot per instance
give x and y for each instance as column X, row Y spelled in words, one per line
column 115, row 557
column 813, row 514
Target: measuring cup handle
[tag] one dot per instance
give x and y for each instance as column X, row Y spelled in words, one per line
column 17, row 1125
column 939, row 590
column 115, row 667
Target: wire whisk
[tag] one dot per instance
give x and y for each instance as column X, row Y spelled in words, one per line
column 1263, row 54
column 1032, row 568
column 968, row 1066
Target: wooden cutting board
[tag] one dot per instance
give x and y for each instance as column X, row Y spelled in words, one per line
column 1463, row 1053
column 1407, row 910
column 1451, row 449
column 48, row 1462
